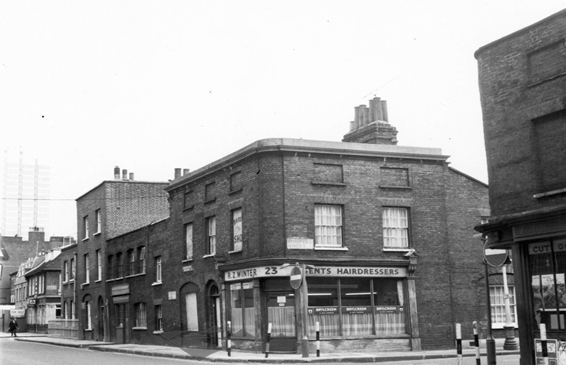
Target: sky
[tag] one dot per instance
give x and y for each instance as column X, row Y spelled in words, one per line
column 151, row 86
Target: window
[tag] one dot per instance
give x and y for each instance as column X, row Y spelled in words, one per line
column 158, row 269
column 497, row 297
column 395, row 227
column 242, row 306
column 209, row 192
column 140, row 320
column 328, row 225
column 549, row 133
column 87, row 269
column 66, row 270
column 72, row 307
column 141, row 258
column 88, row 312
column 189, row 241
column 211, row 236
column 367, row 306
column 328, row 173
column 158, row 318
column 191, row 311
column 236, row 181
column 66, row 312
column 98, row 265
column 188, row 200
column 85, row 227
column 98, row 221
column 119, row 265
column 237, row 229
column 131, row 262
column 73, row 269
column 110, row 267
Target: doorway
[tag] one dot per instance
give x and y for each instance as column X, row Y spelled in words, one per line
column 281, row 315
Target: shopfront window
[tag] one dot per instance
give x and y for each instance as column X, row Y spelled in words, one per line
column 356, row 307
column 547, row 266
column 242, row 305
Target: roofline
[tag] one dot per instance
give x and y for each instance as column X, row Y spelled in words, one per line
column 516, row 33
column 468, row 176
column 121, row 182
column 313, row 146
column 139, row 229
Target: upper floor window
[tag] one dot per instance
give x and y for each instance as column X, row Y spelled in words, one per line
column 236, row 181
column 119, row 265
column 189, row 241
column 85, row 228
column 209, row 192
column 211, row 236
column 141, row 258
column 87, row 269
column 394, row 177
column 158, row 270
column 131, row 262
column 188, row 200
column 549, row 134
column 395, row 227
column 98, row 265
column 237, row 229
column 98, row 221
column 328, row 225
column 73, row 269
column 111, row 274
column 328, row 173
column 66, row 270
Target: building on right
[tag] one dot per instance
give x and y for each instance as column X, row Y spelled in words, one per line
column 522, row 79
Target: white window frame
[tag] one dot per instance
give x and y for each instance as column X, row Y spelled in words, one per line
column 158, row 270
column 395, row 228
column 211, row 236
column 87, row 269
column 99, row 265
column 88, row 307
column 189, row 243
column 98, row 222
column 85, row 226
column 141, row 315
column 328, row 225
column 497, row 299
column 66, row 270
column 141, row 259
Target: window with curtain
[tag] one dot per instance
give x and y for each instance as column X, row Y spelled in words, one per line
column 140, row 315
column 395, row 227
column 242, row 309
column 158, row 269
column 189, row 241
column 141, row 259
column 211, row 236
column 497, row 297
column 328, row 225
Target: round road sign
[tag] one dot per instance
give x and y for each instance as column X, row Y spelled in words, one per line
column 296, row 278
column 495, row 257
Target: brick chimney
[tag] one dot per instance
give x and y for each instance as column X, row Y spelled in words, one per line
column 371, row 125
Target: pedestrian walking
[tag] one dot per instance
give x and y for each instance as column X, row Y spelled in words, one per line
column 13, row 327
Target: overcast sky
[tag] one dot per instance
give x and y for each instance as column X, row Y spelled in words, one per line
column 154, row 85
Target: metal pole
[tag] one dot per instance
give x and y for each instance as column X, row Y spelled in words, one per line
column 510, row 343
column 477, row 343
column 490, row 341
column 459, row 344
column 305, row 304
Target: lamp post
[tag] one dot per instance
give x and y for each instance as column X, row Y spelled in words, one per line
column 510, row 342
column 489, row 341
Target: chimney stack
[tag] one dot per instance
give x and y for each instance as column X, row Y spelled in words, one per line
column 177, row 172
column 116, row 173
column 371, row 125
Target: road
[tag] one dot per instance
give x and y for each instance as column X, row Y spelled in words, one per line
column 14, row 352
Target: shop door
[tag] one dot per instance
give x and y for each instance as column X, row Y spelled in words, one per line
column 281, row 315
column 121, row 324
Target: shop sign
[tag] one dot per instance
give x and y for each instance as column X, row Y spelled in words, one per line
column 388, row 309
column 322, row 310
column 539, row 248
column 17, row 313
column 356, row 310
column 560, row 245
column 31, row 302
column 120, row 289
column 298, row 243
column 317, row 271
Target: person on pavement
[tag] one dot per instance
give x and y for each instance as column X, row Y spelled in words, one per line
column 13, row 327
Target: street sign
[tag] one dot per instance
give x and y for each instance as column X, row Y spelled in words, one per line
column 296, row 277
column 495, row 257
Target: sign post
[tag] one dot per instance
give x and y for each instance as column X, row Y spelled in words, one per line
column 296, row 278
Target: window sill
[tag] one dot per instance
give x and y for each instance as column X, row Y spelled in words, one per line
column 209, row 255
column 235, row 191
column 393, row 249
column 500, row 326
column 88, row 329
column 84, row 284
column 235, row 251
column 395, row 187
column 157, row 283
column 330, row 248
column 328, row 183
column 158, row 332
column 187, row 261
column 188, row 208
column 97, row 233
column 210, row 201
column 139, row 328
column 134, row 275
column 98, row 281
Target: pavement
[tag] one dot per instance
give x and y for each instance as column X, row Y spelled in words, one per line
column 237, row 356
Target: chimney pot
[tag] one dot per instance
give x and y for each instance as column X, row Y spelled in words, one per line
column 131, row 176
column 116, row 173
column 177, row 173
column 186, row 171
column 124, row 174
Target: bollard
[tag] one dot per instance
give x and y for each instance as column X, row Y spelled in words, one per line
column 544, row 343
column 459, row 343
column 317, row 339
column 229, row 338
column 268, row 338
column 477, row 343
column 305, row 346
